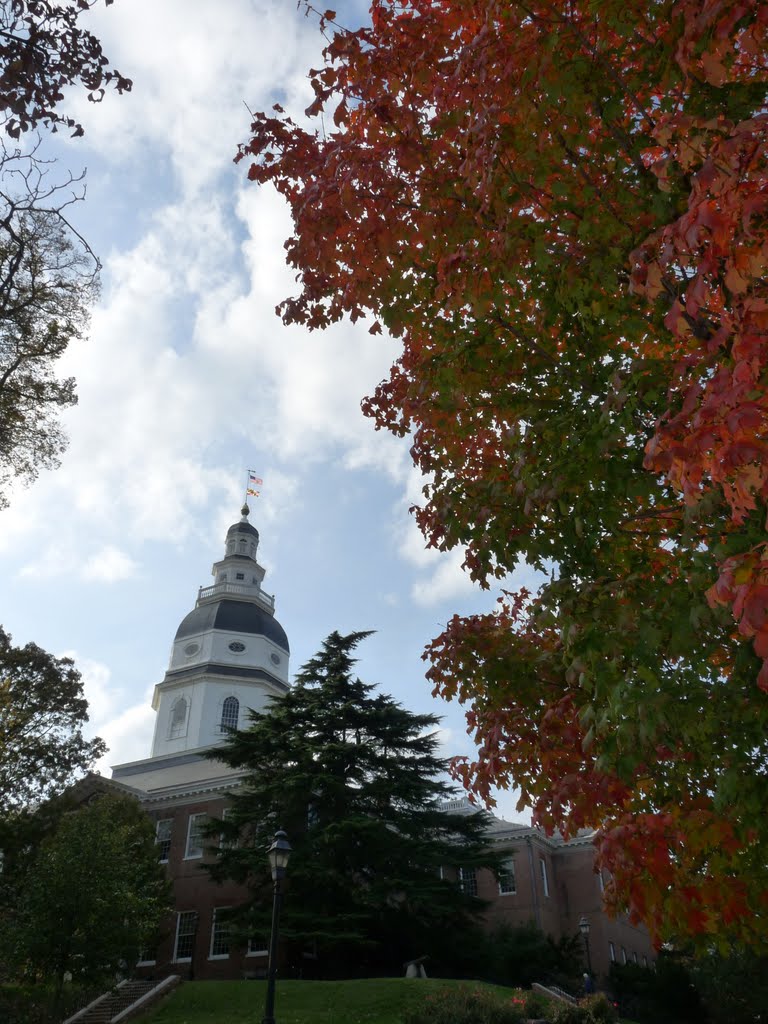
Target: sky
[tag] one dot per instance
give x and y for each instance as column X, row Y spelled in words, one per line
column 188, row 380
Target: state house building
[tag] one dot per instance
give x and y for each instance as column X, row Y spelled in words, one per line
column 230, row 654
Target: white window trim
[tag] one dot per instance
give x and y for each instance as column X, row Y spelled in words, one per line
column 211, row 954
column 161, row 821
column 468, row 883
column 190, row 823
column 146, row 963
column 223, row 844
column 612, row 952
column 256, row 952
column 509, row 863
column 183, row 727
column 226, row 729
column 183, row 959
column 544, row 876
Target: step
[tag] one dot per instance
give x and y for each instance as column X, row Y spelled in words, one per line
column 118, row 1004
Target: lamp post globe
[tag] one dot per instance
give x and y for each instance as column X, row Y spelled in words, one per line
column 279, row 853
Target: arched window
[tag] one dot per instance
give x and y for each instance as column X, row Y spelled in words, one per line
column 230, row 712
column 178, row 726
column 243, row 543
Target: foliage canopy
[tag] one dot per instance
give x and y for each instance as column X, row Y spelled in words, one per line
column 48, row 272
column 42, row 714
column 91, row 897
column 562, row 211
column 43, row 49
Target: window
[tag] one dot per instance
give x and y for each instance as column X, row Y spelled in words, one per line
column 195, row 837
column 239, row 575
column 224, row 842
column 230, row 712
column 219, row 935
column 468, row 881
column 186, row 930
column 612, row 952
column 634, row 957
column 507, row 880
column 544, row 878
column 178, row 726
column 623, row 955
column 257, row 946
column 645, row 961
column 601, row 881
column 163, row 839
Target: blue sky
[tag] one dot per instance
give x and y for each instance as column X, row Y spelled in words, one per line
column 188, row 380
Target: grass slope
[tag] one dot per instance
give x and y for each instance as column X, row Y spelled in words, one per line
column 370, row 1001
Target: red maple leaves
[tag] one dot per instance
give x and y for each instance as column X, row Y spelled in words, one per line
column 562, row 212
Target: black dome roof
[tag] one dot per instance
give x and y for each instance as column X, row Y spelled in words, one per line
column 243, row 527
column 236, row 617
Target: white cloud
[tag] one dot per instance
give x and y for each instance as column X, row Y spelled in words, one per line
column 447, row 581
column 195, row 65
column 127, row 736
column 124, row 730
column 109, row 565
column 441, row 577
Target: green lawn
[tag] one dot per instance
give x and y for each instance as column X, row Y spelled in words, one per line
column 372, row 1001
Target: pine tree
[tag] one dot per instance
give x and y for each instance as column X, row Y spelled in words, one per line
column 355, row 780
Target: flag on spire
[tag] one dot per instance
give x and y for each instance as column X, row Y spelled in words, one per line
column 253, row 483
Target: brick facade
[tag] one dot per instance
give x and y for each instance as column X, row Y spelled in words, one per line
column 552, row 884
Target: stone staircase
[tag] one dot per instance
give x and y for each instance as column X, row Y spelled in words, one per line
column 123, row 1001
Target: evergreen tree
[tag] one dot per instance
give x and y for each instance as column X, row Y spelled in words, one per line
column 356, row 781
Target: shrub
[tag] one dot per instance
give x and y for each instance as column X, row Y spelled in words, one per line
column 570, row 1013
column 523, row 954
column 464, row 1004
column 537, row 1006
column 600, row 1009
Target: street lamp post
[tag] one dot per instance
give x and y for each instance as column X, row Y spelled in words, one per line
column 584, row 929
column 278, row 854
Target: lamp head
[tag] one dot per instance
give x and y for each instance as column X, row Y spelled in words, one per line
column 584, row 926
column 278, row 854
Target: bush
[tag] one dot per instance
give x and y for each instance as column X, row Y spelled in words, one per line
column 466, row 1004
column 661, row 995
column 600, row 1009
column 570, row 1013
column 537, row 1006
column 523, row 954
